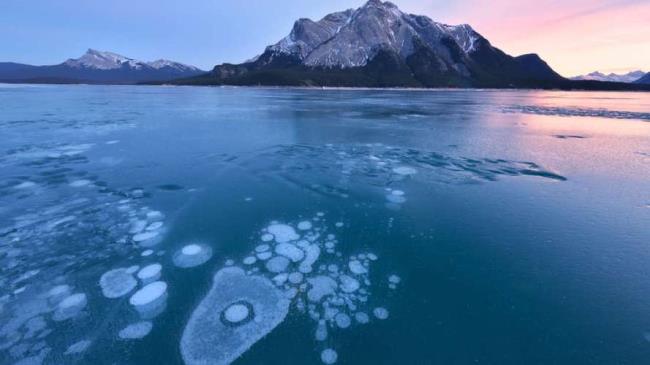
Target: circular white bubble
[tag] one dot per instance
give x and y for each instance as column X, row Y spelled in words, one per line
column 192, row 249
column 283, row 233
column 117, row 283
column 329, row 356
column 150, row 273
column 136, row 330
column 380, row 313
column 236, row 313
column 405, row 170
column 151, row 295
column 304, row 225
column 277, row 264
column 192, row 255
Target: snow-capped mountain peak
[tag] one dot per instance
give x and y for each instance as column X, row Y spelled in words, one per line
column 162, row 63
column 103, row 61
column 353, row 37
column 612, row 77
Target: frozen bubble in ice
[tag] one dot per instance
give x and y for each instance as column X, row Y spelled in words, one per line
column 357, row 267
column 289, row 251
column 236, row 313
column 320, row 214
column 329, row 356
column 145, row 236
column 58, row 293
column 78, row 347
column 304, row 225
column 397, row 193
column 312, row 252
column 349, row 284
column 132, row 269
column 295, row 278
column 264, row 255
column 249, row 260
column 394, row 279
column 70, row 307
column 321, row 331
column 277, row 264
column 192, row 255
column 150, row 300
column 361, row 317
column 209, row 338
column 262, row 248
column 117, row 283
column 138, row 226
column 280, row 279
column 80, row 183
column 372, row 257
column 136, row 330
column 25, row 185
column 380, row 313
column 154, row 226
column 396, row 199
column 146, row 253
column 339, row 224
column 342, row 320
column 155, row 215
column 150, row 273
column 321, row 286
column 267, row 237
column 283, row 233
column 405, row 170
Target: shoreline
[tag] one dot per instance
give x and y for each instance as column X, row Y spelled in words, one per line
column 329, row 88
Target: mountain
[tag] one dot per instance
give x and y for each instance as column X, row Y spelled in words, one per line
column 612, row 77
column 643, row 80
column 98, row 67
column 378, row 45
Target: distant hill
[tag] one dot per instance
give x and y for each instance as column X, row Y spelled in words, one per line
column 97, row 67
column 378, row 45
column 612, row 77
column 644, row 80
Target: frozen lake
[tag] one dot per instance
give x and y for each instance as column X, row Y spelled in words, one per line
column 161, row 225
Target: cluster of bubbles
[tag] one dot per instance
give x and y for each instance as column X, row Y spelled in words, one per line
column 299, row 267
column 63, row 224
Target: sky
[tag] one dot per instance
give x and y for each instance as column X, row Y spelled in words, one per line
column 573, row 36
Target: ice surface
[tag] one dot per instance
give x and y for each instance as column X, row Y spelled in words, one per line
column 207, row 339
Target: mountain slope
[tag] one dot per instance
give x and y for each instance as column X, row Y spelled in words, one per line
column 98, row 67
column 379, row 45
column 612, row 77
column 644, row 80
